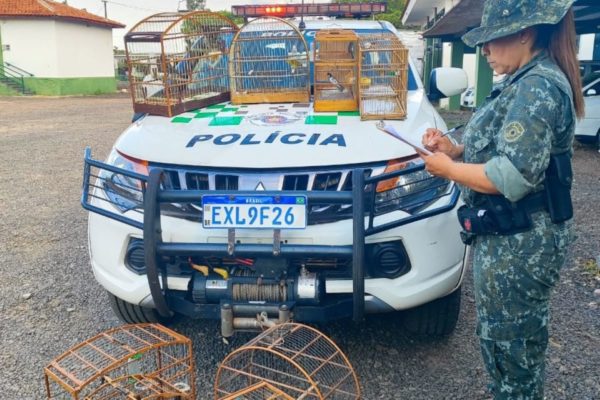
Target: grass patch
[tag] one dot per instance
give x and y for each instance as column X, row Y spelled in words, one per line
column 590, row 267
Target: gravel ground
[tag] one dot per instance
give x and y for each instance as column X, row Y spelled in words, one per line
column 49, row 300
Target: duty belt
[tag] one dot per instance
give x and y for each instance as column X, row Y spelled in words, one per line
column 533, row 203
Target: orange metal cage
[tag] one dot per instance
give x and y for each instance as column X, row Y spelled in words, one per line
column 296, row 361
column 142, row 361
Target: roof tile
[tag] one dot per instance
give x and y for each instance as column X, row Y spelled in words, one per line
column 52, row 9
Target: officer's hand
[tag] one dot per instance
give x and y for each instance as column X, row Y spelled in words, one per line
column 433, row 141
column 438, row 164
column 428, row 136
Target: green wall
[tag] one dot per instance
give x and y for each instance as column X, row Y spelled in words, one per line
column 6, row 91
column 483, row 78
column 71, row 86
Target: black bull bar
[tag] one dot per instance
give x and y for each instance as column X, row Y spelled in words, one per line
column 361, row 200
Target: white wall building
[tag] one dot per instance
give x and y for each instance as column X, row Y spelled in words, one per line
column 68, row 51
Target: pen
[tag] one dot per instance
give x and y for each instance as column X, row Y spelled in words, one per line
column 448, row 132
column 452, row 130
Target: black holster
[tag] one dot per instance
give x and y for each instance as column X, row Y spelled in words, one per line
column 557, row 186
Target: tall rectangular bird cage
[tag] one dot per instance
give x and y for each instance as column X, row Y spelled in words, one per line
column 179, row 61
column 336, row 70
column 141, row 361
column 383, row 77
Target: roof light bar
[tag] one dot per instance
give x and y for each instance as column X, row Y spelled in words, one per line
column 353, row 10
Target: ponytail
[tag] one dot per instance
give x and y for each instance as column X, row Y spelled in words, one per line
column 560, row 40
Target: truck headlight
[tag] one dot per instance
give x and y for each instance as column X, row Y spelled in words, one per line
column 123, row 191
column 411, row 192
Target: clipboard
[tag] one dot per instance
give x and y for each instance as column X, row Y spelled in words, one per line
column 390, row 130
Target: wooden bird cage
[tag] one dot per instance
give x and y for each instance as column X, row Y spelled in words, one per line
column 142, row 361
column 269, row 63
column 179, row 62
column 294, row 361
column 383, row 77
column 336, row 70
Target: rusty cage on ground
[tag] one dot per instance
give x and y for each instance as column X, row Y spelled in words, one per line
column 179, row 62
column 287, row 361
column 141, row 361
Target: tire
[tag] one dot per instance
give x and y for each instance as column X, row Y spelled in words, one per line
column 435, row 319
column 134, row 314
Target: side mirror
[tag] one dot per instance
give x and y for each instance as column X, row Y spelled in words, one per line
column 591, row 92
column 447, row 82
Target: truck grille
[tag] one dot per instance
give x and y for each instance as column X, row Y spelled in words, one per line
column 332, row 180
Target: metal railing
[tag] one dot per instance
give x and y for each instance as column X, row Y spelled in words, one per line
column 14, row 76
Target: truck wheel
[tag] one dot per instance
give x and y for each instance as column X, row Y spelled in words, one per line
column 134, row 314
column 437, row 318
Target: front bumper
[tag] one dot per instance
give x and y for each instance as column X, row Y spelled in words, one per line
column 430, row 238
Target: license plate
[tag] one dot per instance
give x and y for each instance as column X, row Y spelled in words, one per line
column 268, row 212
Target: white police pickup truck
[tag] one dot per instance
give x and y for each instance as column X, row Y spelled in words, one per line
column 283, row 213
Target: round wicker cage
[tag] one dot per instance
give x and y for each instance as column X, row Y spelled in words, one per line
column 179, row 61
column 269, row 63
column 292, row 361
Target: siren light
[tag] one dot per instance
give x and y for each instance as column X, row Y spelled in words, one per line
column 355, row 10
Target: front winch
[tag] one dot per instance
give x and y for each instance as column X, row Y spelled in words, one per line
column 254, row 302
column 305, row 288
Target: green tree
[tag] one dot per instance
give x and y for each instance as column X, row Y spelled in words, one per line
column 234, row 18
column 395, row 8
column 195, row 4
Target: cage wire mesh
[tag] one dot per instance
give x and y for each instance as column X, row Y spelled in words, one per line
column 295, row 359
column 383, row 77
column 142, row 361
column 269, row 63
column 260, row 391
column 336, row 70
column 179, row 61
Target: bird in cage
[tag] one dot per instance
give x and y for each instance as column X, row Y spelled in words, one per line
column 335, row 82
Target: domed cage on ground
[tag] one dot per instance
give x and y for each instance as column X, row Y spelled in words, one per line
column 295, row 359
column 269, row 63
column 179, row 61
column 336, row 70
column 260, row 391
column 383, row 76
column 142, row 361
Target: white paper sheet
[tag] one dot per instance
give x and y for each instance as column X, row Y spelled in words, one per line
column 415, row 144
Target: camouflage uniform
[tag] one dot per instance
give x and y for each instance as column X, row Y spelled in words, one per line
column 528, row 116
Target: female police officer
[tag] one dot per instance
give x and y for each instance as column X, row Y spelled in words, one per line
column 516, row 180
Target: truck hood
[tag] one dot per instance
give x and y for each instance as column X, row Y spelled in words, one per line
column 272, row 136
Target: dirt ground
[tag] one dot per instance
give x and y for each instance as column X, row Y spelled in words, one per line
column 49, row 300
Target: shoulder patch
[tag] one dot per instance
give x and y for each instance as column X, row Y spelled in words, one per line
column 513, row 131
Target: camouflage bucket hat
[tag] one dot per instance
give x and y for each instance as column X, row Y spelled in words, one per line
column 503, row 18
